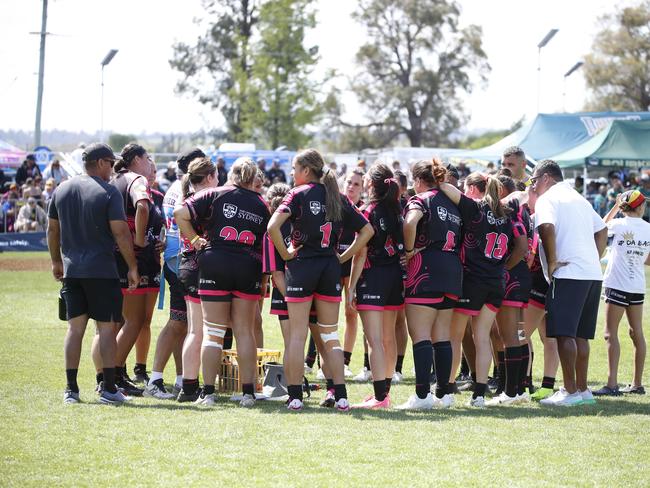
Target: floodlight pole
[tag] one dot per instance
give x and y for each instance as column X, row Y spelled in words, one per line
column 107, row 59
column 540, row 45
column 572, row 70
column 41, row 74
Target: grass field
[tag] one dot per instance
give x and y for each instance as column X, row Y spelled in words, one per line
column 151, row 443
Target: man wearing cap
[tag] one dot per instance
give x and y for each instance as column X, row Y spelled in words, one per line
column 573, row 239
column 86, row 220
column 173, row 333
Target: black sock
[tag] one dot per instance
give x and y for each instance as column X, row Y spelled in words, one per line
column 99, row 377
column 329, row 384
column 529, row 376
column 347, row 355
column 422, row 357
column 310, row 359
column 548, row 382
column 398, row 363
column 366, row 361
column 501, row 370
column 512, row 366
column 248, row 389
column 71, row 376
column 479, row 390
column 464, row 365
column 442, row 355
column 523, row 368
column 473, row 376
column 295, row 392
column 389, row 382
column 451, row 387
column 190, row 386
column 227, row 339
column 208, row 389
column 380, row 390
column 139, row 368
column 433, row 362
column 108, row 377
column 340, row 392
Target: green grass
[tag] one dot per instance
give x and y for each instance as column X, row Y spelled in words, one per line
column 152, row 443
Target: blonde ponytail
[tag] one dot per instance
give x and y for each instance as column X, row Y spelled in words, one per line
column 493, row 189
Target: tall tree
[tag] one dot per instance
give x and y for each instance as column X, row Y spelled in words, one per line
column 416, row 66
column 618, row 69
column 282, row 74
column 253, row 66
column 217, row 69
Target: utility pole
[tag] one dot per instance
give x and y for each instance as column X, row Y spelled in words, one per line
column 41, row 72
column 540, row 45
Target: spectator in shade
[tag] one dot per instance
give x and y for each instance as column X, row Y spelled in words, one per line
column 31, row 217
column 28, row 169
column 276, row 174
column 32, row 188
column 9, row 207
column 615, row 190
column 55, row 171
column 222, row 174
column 600, row 201
column 50, row 186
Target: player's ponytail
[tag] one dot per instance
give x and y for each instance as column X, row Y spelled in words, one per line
column 311, row 159
column 384, row 187
column 493, row 190
column 431, row 172
column 275, row 194
column 197, row 171
column 243, row 172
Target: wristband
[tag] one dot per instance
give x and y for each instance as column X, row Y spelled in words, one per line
column 194, row 239
column 409, row 250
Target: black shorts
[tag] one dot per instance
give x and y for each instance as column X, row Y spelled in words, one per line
column 314, row 277
column 572, row 308
column 188, row 275
column 538, row 290
column 381, row 288
column 518, row 284
column 224, row 274
column 279, row 307
column 177, row 305
column 477, row 292
column 623, row 298
column 100, row 299
column 148, row 269
column 346, row 269
column 434, row 279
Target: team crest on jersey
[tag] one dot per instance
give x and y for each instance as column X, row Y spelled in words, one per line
column 229, row 210
column 382, row 224
column 315, row 207
column 442, row 213
column 490, row 218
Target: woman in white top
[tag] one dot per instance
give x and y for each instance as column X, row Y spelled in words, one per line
column 625, row 286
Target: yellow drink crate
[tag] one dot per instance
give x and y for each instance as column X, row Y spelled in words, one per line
column 229, row 381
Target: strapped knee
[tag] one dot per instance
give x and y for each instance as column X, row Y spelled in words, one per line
column 330, row 336
column 213, row 334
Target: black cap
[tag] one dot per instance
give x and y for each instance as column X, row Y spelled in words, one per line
column 31, row 156
column 451, row 169
column 186, row 157
column 97, row 151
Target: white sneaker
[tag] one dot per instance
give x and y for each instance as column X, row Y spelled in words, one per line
column 523, row 398
column 207, row 400
column 247, row 401
column 502, row 399
column 478, row 402
column 445, row 402
column 554, row 398
column 154, row 391
column 397, row 378
column 342, row 405
column 587, row 397
column 347, row 372
column 295, row 405
column 320, row 376
column 176, row 389
column 71, row 397
column 308, row 370
column 563, row 398
column 416, row 403
column 364, row 376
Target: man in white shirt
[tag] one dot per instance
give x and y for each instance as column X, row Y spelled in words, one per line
column 573, row 239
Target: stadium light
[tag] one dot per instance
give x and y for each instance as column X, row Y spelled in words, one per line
column 572, row 70
column 107, row 59
column 550, row 34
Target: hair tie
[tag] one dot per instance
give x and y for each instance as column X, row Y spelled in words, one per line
column 388, row 181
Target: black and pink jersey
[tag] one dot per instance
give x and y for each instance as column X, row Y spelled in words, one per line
column 348, row 235
column 387, row 243
column 440, row 226
column 133, row 187
column 523, row 222
column 309, row 228
column 272, row 261
column 487, row 239
column 232, row 218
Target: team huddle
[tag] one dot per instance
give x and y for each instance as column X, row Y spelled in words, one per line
column 469, row 274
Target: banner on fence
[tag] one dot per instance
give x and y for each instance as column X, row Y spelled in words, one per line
column 28, row 241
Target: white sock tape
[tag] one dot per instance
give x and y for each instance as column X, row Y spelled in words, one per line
column 214, row 331
column 327, row 326
column 212, row 344
column 332, row 336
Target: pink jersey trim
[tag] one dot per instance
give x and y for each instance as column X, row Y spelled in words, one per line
column 326, row 298
column 191, row 299
column 536, row 304
column 514, row 304
column 369, row 308
column 298, row 299
column 139, row 291
column 415, row 301
column 246, row 296
column 465, row 311
column 274, row 311
column 492, row 307
column 392, row 308
column 214, row 293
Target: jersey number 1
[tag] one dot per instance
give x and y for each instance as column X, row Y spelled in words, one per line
column 326, row 230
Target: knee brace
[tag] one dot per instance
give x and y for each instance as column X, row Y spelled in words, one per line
column 216, row 331
column 331, row 336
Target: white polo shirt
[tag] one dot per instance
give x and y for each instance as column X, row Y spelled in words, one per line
column 575, row 223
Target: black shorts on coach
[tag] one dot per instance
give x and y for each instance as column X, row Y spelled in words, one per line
column 100, row 299
column 572, row 308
